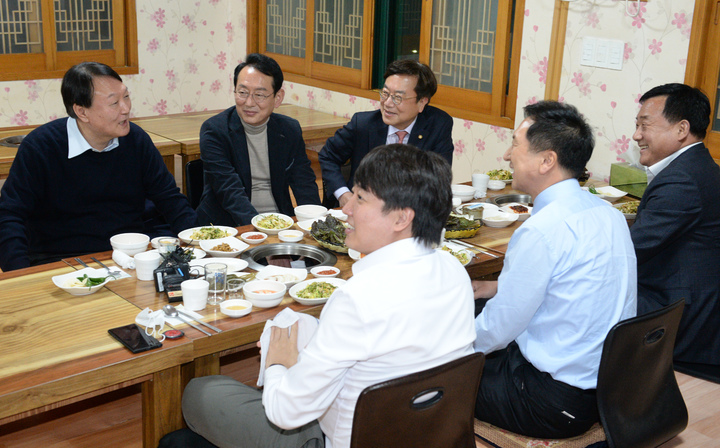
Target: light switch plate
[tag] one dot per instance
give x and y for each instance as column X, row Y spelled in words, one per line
column 603, row 53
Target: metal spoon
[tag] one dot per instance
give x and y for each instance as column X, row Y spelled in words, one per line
column 172, row 312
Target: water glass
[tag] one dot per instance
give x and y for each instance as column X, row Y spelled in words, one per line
column 234, row 288
column 216, row 276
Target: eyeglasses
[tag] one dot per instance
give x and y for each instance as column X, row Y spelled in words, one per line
column 257, row 96
column 397, row 99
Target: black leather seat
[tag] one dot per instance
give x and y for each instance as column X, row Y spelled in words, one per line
column 639, row 400
column 194, row 181
column 389, row 414
column 329, row 200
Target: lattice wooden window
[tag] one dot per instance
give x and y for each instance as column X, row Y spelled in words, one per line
column 43, row 38
column 467, row 43
column 703, row 64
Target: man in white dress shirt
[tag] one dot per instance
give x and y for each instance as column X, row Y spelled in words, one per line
column 569, row 275
column 407, row 308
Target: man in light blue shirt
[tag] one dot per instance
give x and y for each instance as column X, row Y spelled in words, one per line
column 569, row 275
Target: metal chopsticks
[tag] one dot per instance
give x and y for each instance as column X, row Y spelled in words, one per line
column 110, row 273
column 81, row 262
column 200, row 322
column 474, row 247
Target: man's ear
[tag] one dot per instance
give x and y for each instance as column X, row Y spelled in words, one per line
column 683, row 129
column 548, row 161
column 81, row 113
column 404, row 219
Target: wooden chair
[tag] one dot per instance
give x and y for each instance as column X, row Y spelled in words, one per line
column 639, row 400
column 428, row 409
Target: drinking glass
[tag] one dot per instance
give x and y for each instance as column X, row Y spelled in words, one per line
column 216, row 276
column 234, row 288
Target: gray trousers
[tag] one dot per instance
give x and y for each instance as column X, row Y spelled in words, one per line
column 230, row 414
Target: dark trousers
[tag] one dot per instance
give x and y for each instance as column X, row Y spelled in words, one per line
column 516, row 396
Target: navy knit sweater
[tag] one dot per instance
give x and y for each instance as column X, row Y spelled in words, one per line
column 52, row 207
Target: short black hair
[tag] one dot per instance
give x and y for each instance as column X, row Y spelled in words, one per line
column 405, row 177
column 77, row 84
column 560, row 128
column 265, row 65
column 426, row 82
column 683, row 102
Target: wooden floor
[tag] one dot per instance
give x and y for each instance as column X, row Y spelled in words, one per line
column 116, row 417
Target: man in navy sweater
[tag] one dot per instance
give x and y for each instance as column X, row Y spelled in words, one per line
column 77, row 181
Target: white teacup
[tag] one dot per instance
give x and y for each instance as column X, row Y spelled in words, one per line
column 195, row 294
column 146, row 263
column 480, row 183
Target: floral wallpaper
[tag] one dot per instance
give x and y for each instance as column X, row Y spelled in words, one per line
column 189, row 49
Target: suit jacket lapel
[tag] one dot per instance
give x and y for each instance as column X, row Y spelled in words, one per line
column 418, row 131
column 378, row 133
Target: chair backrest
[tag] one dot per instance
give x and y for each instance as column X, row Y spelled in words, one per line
column 639, row 400
column 194, row 181
column 389, row 414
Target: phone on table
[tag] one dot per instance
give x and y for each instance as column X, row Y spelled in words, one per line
column 134, row 338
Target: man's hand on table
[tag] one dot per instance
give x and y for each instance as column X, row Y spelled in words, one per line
column 344, row 199
column 483, row 289
column 282, row 348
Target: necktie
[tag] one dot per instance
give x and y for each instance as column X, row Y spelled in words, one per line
column 401, row 135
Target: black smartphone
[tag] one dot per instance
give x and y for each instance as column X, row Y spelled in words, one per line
column 134, row 338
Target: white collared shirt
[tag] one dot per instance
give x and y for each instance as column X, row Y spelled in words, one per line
column 77, row 143
column 653, row 170
column 392, row 133
column 389, row 140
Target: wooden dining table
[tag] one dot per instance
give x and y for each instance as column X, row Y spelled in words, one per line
column 55, row 349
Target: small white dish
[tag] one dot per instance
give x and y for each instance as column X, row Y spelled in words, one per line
column 496, row 185
column 355, row 255
column 462, row 255
column 264, row 293
column 337, row 282
column 235, row 244
column 274, row 231
column 306, row 225
column 288, row 276
column 309, row 211
column 61, row 280
column 464, row 192
column 155, row 242
column 325, row 271
column 185, row 235
column 523, row 211
column 253, row 237
column 608, row 193
column 233, row 264
column 500, row 219
column 290, row 236
column 236, row 307
column 338, row 214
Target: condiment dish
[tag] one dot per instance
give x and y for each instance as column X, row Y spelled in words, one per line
column 253, row 237
column 496, row 185
column 236, row 307
column 264, row 293
column 290, row 236
column 286, row 220
column 355, row 255
column 325, row 271
column 523, row 211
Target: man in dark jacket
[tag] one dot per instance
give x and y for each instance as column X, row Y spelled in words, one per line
column 677, row 230
column 251, row 155
column 404, row 117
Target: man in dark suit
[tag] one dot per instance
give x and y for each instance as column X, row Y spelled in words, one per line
column 677, row 230
column 251, row 156
column 404, row 117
